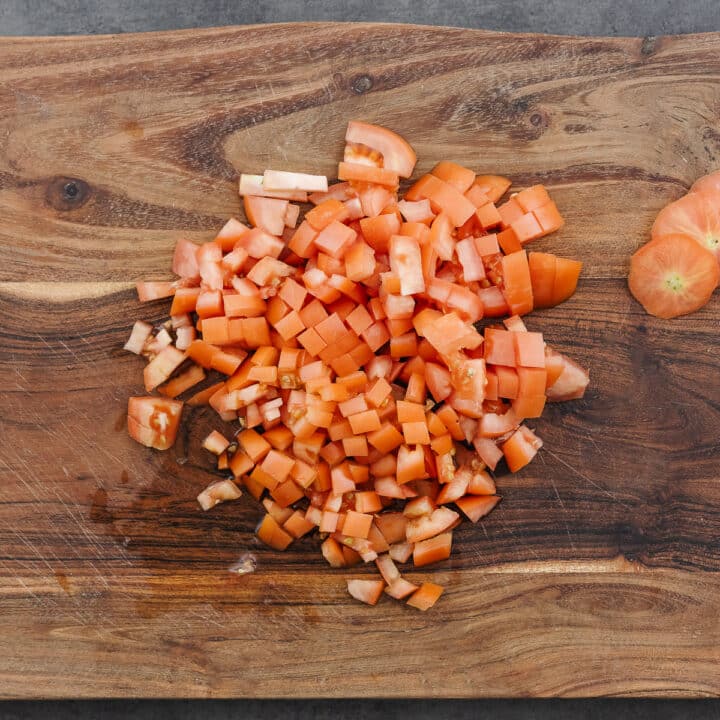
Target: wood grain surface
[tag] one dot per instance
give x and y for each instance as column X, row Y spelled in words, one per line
column 598, row 574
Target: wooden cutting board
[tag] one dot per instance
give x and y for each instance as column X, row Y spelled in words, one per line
column 599, row 572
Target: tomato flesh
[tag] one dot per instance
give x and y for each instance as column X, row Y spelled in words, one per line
column 673, row 275
column 154, row 421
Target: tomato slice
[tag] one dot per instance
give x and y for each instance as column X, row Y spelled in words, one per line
column 709, row 182
column 673, row 275
column 696, row 215
column 397, row 154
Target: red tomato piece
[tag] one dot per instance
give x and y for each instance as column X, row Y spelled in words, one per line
column 154, row 421
column 397, row 154
column 673, row 275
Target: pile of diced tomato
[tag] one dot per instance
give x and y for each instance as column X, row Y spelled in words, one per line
column 348, row 340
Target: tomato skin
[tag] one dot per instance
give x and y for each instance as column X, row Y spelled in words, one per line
column 709, row 182
column 154, row 421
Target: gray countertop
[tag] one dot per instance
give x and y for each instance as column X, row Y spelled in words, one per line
column 595, row 17
column 581, row 17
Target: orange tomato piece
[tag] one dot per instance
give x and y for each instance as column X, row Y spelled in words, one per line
column 397, row 154
column 695, row 215
column 426, row 596
column 477, row 506
column 567, row 273
column 433, row 549
column 153, row 421
column 517, row 285
column 270, row 532
column 709, row 182
column 673, row 275
column 461, row 178
column 521, row 448
column 367, row 591
column 542, row 278
column 494, row 186
column 268, row 214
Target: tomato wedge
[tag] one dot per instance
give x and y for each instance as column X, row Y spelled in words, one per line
column 397, row 154
column 673, row 275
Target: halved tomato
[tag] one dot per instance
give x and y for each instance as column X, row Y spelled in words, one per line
column 154, row 421
column 673, row 275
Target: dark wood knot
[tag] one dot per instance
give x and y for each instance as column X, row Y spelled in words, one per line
column 361, row 84
column 648, row 45
column 65, row 193
column 539, row 120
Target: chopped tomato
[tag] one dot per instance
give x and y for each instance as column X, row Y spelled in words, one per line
column 153, row 421
column 346, row 338
column 461, row 178
column 494, row 186
column 218, row 492
column 291, row 181
column 673, row 275
column 154, row 290
column 367, row 591
column 477, row 506
column 521, row 448
column 268, row 214
column 254, row 185
column 424, row 598
column 571, row 382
